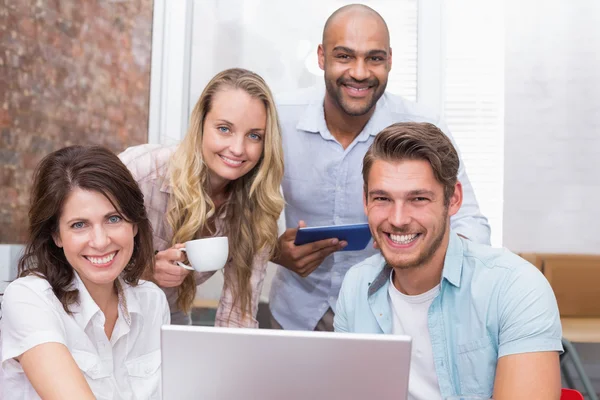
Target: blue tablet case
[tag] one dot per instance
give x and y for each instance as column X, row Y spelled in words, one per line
column 357, row 235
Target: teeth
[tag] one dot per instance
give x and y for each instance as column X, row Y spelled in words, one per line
column 102, row 260
column 403, row 239
column 230, row 161
column 358, row 89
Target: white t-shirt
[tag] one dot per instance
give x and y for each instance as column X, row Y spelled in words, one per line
column 125, row 367
column 410, row 318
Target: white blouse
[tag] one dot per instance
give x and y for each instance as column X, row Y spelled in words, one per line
column 125, row 367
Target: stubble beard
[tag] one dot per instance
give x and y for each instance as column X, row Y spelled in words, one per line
column 425, row 256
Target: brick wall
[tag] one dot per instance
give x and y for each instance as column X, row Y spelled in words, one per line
column 71, row 72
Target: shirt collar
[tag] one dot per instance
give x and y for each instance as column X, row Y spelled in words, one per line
column 128, row 301
column 86, row 308
column 313, row 118
column 452, row 271
column 454, row 260
column 165, row 186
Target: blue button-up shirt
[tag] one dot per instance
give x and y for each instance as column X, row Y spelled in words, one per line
column 323, row 185
column 492, row 303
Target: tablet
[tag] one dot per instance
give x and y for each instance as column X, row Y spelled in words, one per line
column 357, row 235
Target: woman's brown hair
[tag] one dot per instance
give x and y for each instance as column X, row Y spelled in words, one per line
column 93, row 169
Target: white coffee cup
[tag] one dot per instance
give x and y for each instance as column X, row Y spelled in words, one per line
column 208, row 254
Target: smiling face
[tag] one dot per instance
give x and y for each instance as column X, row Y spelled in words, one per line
column 233, row 138
column 97, row 242
column 406, row 212
column 356, row 58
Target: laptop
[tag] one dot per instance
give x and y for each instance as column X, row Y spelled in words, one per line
column 233, row 363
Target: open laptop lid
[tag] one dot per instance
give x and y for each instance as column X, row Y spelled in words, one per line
column 232, row 363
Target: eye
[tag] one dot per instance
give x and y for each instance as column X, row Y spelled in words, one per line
column 255, row 136
column 343, row 56
column 77, row 225
column 113, row 219
column 377, row 58
column 223, row 129
column 420, row 199
column 380, row 198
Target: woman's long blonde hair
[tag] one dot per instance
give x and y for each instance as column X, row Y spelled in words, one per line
column 255, row 201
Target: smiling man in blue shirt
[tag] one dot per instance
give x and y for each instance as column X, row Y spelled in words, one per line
column 483, row 320
column 326, row 131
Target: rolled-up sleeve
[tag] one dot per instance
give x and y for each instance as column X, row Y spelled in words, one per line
column 529, row 319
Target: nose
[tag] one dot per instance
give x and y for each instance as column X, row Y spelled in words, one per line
column 236, row 146
column 359, row 70
column 99, row 237
column 399, row 215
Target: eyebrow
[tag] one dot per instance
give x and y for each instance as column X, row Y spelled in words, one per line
column 224, row 121
column 377, row 52
column 369, row 53
column 421, row 192
column 378, row 193
column 412, row 193
column 111, row 213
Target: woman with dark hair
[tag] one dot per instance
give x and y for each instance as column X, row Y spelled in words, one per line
column 78, row 323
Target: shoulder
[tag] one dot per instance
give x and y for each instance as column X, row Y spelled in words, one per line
column 24, row 297
column 364, row 272
column 294, row 106
column 26, row 287
column 147, row 289
column 148, row 295
column 147, row 160
column 512, row 272
column 404, row 110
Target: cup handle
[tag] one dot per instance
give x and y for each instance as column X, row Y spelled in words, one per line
column 182, row 265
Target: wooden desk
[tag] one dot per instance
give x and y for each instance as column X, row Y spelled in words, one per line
column 581, row 330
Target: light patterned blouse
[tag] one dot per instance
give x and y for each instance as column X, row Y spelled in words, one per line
column 148, row 165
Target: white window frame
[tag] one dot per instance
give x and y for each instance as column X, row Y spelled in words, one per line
column 170, row 71
column 430, row 54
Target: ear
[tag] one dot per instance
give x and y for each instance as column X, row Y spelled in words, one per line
column 390, row 60
column 456, row 199
column 135, row 230
column 57, row 240
column 321, row 56
column 365, row 201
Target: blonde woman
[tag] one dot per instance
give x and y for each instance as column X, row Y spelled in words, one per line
column 221, row 180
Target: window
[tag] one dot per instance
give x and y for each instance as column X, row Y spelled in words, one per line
column 279, row 39
column 473, row 97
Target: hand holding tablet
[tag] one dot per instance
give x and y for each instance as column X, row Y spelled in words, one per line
column 356, row 235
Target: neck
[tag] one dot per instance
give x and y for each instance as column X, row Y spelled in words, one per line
column 218, row 189
column 344, row 128
column 104, row 296
column 422, row 278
